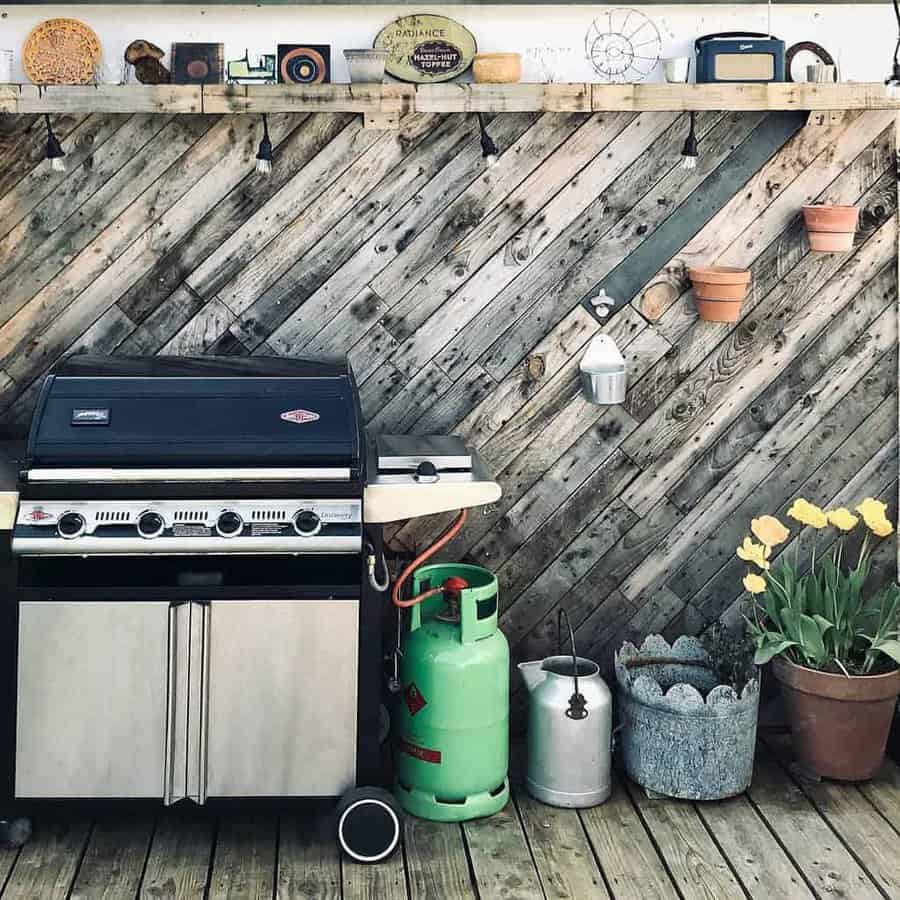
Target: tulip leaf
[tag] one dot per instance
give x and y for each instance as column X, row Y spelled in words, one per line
column 811, row 642
column 767, row 651
column 889, row 648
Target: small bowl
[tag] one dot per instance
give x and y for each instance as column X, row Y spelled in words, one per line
column 497, row 68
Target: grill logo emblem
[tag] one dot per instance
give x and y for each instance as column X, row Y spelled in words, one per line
column 38, row 515
column 299, row 416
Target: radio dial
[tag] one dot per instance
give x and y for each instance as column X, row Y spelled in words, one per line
column 71, row 525
column 229, row 524
column 150, row 524
column 307, row 523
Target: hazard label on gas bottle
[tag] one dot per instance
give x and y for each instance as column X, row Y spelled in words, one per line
column 414, row 699
column 423, row 753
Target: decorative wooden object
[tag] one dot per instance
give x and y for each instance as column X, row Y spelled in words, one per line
column 61, row 51
column 146, row 58
column 497, row 68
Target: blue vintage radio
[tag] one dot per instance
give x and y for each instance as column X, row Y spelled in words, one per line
column 739, row 56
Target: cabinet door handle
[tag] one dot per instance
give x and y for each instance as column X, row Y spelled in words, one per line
column 205, row 617
column 169, row 758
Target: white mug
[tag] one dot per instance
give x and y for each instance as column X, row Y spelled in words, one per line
column 677, row 69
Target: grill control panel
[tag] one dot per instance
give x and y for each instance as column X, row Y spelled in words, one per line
column 180, row 526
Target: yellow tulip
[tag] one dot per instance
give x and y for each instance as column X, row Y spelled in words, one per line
column 769, row 530
column 842, row 518
column 753, row 553
column 807, row 514
column 882, row 527
column 872, row 511
column 755, row 584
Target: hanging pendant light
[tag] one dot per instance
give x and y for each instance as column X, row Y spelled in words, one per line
column 264, row 154
column 488, row 148
column 892, row 82
column 55, row 154
column 690, row 150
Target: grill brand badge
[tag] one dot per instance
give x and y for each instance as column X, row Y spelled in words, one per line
column 38, row 515
column 299, row 416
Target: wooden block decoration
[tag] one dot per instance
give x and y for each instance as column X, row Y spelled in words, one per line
column 304, row 63
column 197, row 63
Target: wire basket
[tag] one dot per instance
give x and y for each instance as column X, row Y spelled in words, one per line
column 61, row 51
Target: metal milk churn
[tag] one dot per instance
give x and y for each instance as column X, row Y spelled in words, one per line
column 569, row 728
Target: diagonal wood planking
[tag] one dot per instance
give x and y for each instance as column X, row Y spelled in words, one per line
column 457, row 291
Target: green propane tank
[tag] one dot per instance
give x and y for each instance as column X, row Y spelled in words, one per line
column 452, row 716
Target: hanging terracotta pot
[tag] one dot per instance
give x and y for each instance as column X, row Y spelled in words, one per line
column 830, row 229
column 719, row 291
column 839, row 725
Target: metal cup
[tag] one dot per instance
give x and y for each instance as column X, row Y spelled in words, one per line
column 677, row 69
column 6, row 65
column 820, row 73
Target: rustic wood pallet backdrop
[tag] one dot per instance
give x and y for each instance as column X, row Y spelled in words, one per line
column 460, row 294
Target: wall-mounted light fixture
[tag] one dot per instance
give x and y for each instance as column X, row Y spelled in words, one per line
column 690, row 150
column 264, row 154
column 54, row 154
column 488, row 148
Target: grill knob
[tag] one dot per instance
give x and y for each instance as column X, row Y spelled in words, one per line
column 229, row 524
column 150, row 524
column 71, row 525
column 307, row 523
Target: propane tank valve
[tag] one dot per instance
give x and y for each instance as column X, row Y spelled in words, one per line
column 452, row 588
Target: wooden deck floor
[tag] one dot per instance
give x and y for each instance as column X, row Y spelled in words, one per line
column 783, row 839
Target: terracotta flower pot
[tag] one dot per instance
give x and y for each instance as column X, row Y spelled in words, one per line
column 830, row 228
column 497, row 68
column 840, row 725
column 719, row 292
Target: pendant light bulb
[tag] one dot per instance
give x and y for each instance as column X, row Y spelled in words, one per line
column 690, row 151
column 892, row 82
column 489, row 150
column 264, row 155
column 55, row 154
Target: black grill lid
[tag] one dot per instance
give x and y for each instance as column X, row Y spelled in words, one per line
column 209, row 411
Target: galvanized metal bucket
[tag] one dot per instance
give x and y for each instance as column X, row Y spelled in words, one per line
column 681, row 733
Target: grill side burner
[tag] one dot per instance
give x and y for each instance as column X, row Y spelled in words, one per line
column 194, row 616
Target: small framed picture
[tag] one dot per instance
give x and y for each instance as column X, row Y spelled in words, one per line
column 198, row 63
column 304, row 63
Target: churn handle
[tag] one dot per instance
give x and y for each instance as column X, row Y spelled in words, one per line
column 577, row 703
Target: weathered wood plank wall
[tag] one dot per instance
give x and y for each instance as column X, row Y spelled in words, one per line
column 460, row 293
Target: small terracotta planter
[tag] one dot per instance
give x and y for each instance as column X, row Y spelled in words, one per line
column 830, row 229
column 719, row 292
column 839, row 725
column 497, row 68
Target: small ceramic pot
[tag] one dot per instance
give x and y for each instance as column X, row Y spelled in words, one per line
column 366, row 66
column 830, row 229
column 497, row 68
column 677, row 69
column 719, row 292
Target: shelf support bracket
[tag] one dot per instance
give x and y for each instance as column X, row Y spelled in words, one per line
column 382, row 121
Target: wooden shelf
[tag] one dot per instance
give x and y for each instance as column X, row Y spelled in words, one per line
column 394, row 100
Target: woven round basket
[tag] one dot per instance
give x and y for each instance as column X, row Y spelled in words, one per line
column 61, row 51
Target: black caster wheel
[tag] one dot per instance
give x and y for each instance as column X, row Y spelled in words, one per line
column 368, row 824
column 14, row 832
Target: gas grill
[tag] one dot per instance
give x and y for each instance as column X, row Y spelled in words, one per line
column 200, row 577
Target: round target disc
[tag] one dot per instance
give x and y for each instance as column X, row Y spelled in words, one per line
column 303, row 65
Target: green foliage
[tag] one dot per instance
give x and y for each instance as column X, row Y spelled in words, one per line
column 824, row 619
column 731, row 654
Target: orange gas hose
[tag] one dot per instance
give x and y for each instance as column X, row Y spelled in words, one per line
column 442, row 541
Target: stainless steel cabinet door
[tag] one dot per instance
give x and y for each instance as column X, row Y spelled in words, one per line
column 91, row 716
column 281, row 703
